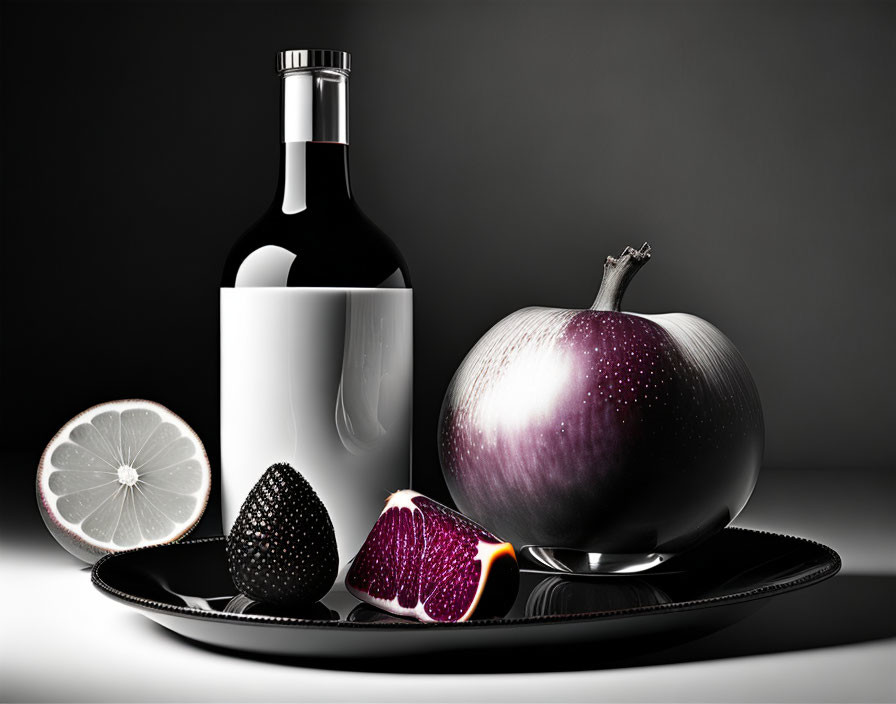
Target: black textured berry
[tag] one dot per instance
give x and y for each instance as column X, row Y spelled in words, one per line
column 282, row 549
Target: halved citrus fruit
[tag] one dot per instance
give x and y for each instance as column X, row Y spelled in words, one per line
column 121, row 475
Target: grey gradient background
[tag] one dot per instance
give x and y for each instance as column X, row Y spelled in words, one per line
column 507, row 148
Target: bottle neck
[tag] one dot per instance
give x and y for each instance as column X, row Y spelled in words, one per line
column 314, row 140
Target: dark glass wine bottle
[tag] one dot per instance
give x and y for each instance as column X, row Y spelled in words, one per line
column 316, row 323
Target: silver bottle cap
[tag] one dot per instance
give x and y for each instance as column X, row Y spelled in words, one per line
column 310, row 59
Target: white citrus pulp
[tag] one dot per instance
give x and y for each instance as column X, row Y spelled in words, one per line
column 121, row 475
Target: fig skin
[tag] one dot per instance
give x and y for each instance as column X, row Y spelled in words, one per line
column 602, row 431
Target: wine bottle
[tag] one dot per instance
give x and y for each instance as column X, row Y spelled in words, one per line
column 316, row 324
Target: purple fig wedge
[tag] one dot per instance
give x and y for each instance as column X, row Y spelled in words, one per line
column 428, row 562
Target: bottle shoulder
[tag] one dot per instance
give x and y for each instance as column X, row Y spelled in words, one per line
column 334, row 246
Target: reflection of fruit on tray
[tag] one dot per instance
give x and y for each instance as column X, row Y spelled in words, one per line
column 363, row 613
column 241, row 604
column 558, row 595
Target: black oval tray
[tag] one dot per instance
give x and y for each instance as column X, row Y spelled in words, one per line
column 186, row 587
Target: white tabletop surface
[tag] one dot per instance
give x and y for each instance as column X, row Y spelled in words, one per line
column 61, row 640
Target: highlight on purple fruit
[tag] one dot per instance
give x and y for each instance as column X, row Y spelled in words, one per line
column 425, row 561
column 625, row 436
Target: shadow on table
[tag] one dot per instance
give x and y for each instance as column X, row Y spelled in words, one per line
column 843, row 610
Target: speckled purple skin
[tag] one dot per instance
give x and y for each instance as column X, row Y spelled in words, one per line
column 427, row 559
column 640, row 452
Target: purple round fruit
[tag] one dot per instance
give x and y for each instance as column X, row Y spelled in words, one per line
column 425, row 561
column 601, row 441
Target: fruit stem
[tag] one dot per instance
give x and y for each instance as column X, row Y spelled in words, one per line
column 618, row 272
